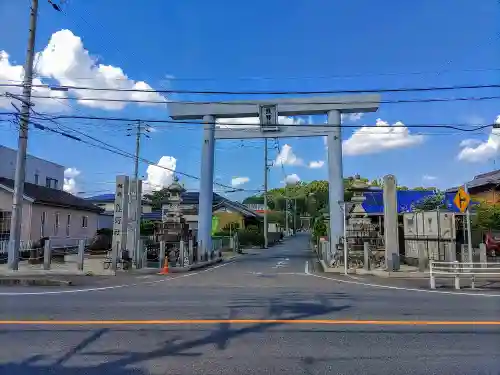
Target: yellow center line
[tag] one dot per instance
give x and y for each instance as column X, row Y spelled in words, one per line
column 251, row 321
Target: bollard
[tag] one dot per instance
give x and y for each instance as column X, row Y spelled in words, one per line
column 114, row 256
column 161, row 257
column 457, row 276
column 47, row 255
column 139, row 254
column 182, row 255
column 431, row 275
column 190, row 250
column 81, row 254
column 482, row 255
column 201, row 251
column 422, row 258
column 366, row 249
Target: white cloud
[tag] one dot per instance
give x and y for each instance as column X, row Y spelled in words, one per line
column 470, row 143
column 478, row 151
column 237, row 181
column 159, row 178
column 66, row 60
column 253, row 122
column 378, row 138
column 429, row 178
column 316, row 164
column 70, row 175
column 291, row 179
column 352, row 117
column 287, row 157
column 13, row 75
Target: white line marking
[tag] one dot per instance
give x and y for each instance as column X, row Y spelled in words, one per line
column 306, row 270
column 55, row 292
column 405, row 289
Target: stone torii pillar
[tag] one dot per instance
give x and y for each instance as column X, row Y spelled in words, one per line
column 332, row 106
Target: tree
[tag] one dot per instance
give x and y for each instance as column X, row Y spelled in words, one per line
column 430, row 203
column 147, row 228
column 487, row 216
column 157, row 198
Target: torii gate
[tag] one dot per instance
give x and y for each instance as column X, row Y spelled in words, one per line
column 332, row 106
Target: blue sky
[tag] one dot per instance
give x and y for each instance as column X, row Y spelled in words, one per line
column 268, row 45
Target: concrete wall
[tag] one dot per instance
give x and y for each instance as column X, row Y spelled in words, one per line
column 73, row 230
column 34, row 166
column 6, row 205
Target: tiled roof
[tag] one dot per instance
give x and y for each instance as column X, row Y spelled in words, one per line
column 52, row 197
column 484, row 179
column 374, row 203
column 192, row 198
column 110, row 197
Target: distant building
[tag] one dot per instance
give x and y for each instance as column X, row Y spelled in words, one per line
column 483, row 187
column 38, row 171
column 107, row 203
column 47, row 213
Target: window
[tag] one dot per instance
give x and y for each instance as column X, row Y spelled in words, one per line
column 85, row 220
column 68, row 225
column 56, row 224
column 5, row 217
column 51, row 183
column 42, row 226
column 36, row 178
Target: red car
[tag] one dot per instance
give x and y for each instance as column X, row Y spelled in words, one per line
column 492, row 242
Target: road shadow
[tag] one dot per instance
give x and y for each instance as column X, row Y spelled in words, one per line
column 288, row 307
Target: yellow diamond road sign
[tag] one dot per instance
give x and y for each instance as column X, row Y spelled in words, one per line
column 461, row 200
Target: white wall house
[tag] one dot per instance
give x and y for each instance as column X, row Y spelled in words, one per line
column 38, row 171
column 47, row 213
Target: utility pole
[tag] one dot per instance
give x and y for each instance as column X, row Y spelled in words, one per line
column 137, row 149
column 135, row 211
column 295, row 216
column 287, row 228
column 265, row 196
column 17, row 201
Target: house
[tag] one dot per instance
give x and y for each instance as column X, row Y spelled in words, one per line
column 227, row 212
column 38, row 171
column 107, row 203
column 483, row 187
column 47, row 212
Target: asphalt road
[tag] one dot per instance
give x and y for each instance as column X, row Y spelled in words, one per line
column 256, row 306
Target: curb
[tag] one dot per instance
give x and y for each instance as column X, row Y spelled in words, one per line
column 381, row 274
column 193, row 267
column 20, row 281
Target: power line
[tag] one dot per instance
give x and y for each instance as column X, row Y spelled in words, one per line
column 166, row 102
column 108, row 147
column 430, row 126
column 267, row 78
column 262, row 92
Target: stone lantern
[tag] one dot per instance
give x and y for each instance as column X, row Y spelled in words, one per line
column 171, row 213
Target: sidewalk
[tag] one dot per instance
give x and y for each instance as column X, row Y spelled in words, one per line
column 60, row 273
column 405, row 272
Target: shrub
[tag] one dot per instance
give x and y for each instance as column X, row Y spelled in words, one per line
column 249, row 237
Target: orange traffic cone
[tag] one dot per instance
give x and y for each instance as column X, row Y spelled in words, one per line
column 164, row 270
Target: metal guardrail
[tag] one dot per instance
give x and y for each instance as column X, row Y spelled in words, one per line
column 461, row 269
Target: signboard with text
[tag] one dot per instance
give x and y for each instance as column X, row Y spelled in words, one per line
column 120, row 219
